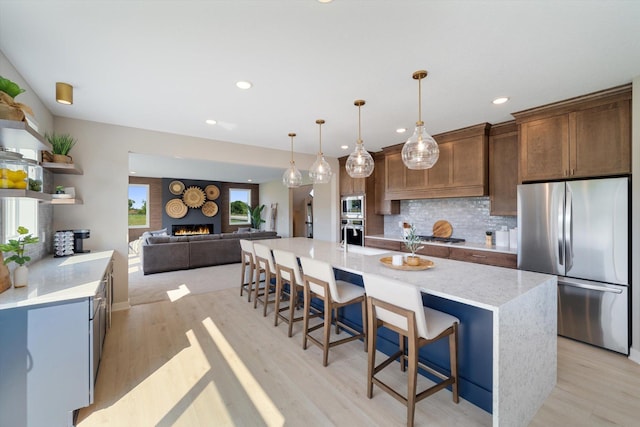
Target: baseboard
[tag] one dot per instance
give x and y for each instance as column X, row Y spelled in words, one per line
column 118, row 306
column 634, row 355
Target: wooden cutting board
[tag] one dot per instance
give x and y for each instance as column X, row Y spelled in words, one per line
column 442, row 228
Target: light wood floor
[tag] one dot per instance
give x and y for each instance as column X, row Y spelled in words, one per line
column 211, row 360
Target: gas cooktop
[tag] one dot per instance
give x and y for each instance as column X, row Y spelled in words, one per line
column 441, row 239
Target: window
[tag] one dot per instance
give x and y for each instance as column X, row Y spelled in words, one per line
column 239, row 202
column 138, row 213
column 19, row 212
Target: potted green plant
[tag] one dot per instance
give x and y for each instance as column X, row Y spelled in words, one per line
column 256, row 216
column 413, row 242
column 9, row 108
column 16, row 247
column 60, row 146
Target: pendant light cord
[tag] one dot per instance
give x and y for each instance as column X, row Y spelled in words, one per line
column 320, row 128
column 420, row 102
column 291, row 150
column 359, row 131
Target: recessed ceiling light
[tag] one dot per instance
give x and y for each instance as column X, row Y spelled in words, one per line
column 210, row 122
column 401, row 130
column 249, row 180
column 243, row 84
column 132, row 172
column 500, row 100
column 344, row 147
column 325, row 1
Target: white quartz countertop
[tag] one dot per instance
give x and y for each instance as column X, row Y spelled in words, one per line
column 59, row 279
column 461, row 245
column 479, row 285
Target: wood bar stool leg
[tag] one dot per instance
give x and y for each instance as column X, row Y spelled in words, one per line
column 278, row 297
column 453, row 357
column 328, row 310
column 372, row 332
column 305, row 315
column 412, row 379
column 363, row 307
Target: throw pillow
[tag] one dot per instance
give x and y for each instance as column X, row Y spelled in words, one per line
column 162, row 232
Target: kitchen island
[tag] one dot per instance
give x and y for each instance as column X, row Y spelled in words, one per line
column 508, row 323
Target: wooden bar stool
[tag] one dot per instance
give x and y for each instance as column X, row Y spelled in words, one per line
column 320, row 282
column 264, row 262
column 247, row 259
column 287, row 272
column 398, row 306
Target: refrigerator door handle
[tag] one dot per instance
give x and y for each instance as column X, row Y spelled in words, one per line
column 569, row 230
column 560, row 234
column 591, row 287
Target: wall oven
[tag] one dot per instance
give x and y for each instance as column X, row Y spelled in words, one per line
column 352, row 207
column 353, row 231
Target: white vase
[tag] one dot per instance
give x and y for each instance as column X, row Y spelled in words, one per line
column 20, row 276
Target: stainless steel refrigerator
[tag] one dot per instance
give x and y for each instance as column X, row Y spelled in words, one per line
column 579, row 231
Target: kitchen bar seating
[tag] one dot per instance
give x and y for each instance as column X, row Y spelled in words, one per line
column 264, row 262
column 398, row 306
column 287, row 271
column 320, row 282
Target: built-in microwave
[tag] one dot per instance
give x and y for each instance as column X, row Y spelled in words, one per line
column 352, row 207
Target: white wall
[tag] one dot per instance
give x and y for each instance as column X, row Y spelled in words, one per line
column 635, row 223
column 102, row 152
column 276, row 192
column 43, row 117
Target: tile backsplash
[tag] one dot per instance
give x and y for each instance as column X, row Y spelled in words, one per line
column 469, row 217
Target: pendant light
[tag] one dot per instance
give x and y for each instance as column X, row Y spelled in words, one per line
column 292, row 177
column 421, row 150
column 320, row 172
column 360, row 163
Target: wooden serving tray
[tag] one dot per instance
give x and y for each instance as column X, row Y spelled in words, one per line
column 425, row 264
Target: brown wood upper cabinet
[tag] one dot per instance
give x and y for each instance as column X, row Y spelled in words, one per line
column 461, row 170
column 383, row 206
column 503, row 168
column 589, row 136
column 350, row 186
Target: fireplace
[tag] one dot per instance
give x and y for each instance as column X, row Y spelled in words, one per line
column 191, row 229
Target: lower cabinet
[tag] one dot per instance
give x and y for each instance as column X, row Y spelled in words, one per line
column 499, row 259
column 49, row 358
column 45, row 363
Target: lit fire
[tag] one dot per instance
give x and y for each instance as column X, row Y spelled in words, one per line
column 192, row 231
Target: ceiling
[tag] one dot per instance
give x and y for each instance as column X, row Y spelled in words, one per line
column 168, row 66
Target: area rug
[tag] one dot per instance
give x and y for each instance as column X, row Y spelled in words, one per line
column 172, row 285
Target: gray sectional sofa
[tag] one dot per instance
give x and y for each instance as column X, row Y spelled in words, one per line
column 168, row 253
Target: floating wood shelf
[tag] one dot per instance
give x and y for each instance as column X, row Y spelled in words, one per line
column 44, row 197
column 17, row 134
column 62, row 168
column 75, row 201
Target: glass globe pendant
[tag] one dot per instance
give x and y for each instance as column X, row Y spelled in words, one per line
column 320, row 172
column 421, row 150
column 360, row 163
column 292, row 177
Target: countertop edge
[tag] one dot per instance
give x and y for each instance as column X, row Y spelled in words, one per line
column 54, row 280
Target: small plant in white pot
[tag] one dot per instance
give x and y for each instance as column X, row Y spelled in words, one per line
column 413, row 242
column 16, row 246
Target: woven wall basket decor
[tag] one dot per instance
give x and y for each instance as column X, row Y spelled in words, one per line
column 176, row 187
column 209, row 209
column 193, row 197
column 175, row 208
column 212, row 191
